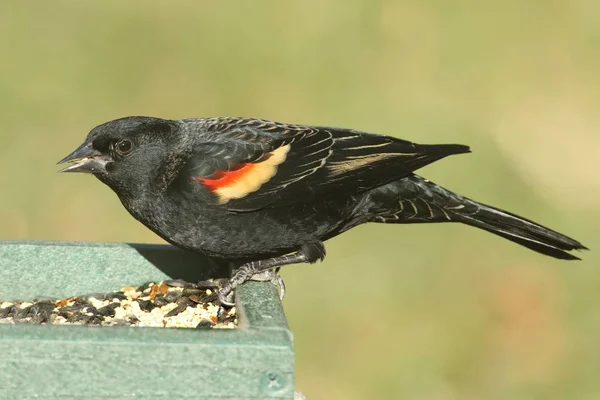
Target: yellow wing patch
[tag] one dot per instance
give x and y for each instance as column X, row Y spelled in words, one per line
column 248, row 178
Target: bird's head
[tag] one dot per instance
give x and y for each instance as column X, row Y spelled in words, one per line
column 126, row 154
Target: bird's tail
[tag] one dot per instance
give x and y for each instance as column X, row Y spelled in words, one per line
column 522, row 231
column 432, row 203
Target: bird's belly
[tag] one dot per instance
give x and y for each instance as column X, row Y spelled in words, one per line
column 263, row 233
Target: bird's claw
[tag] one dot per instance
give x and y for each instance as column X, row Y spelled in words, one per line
column 277, row 280
column 226, row 294
column 280, row 284
column 226, row 297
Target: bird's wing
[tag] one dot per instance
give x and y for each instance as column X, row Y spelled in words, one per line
column 250, row 164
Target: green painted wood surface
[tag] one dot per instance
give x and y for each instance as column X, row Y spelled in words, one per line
column 255, row 361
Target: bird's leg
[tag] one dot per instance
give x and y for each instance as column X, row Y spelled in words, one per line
column 308, row 253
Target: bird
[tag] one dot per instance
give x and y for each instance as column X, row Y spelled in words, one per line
column 269, row 194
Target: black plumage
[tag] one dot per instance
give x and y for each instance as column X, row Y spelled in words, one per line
column 256, row 190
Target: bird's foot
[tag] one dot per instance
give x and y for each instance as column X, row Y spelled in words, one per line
column 267, row 270
column 243, row 274
column 226, row 294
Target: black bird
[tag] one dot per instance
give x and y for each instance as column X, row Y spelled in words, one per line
column 269, row 193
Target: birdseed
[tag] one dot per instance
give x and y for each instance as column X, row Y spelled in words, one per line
column 168, row 304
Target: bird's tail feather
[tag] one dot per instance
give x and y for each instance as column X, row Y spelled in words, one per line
column 522, row 231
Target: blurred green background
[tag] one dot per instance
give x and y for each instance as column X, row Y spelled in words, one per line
column 396, row 312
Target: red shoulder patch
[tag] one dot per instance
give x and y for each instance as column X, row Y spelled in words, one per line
column 223, row 179
column 245, row 178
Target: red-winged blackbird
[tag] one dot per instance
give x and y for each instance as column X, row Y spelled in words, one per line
column 269, row 193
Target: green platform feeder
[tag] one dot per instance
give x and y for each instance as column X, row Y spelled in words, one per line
column 253, row 361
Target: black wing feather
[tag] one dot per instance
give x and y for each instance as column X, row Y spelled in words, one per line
column 321, row 161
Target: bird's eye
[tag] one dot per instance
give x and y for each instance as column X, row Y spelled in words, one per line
column 123, row 147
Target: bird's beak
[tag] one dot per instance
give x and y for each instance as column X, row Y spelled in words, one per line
column 85, row 159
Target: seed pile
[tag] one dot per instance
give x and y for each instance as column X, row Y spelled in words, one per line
column 169, row 304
